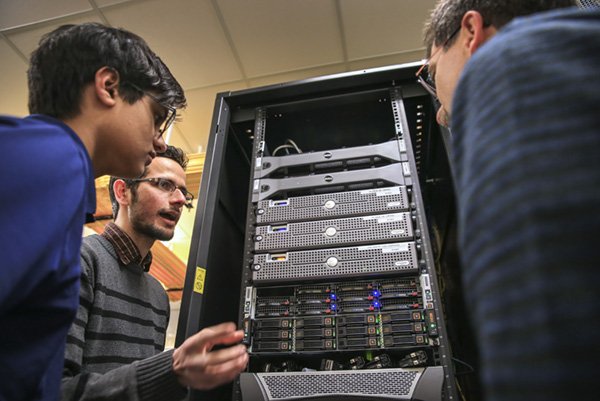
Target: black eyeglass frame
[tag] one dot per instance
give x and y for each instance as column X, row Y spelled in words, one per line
column 171, row 111
column 428, row 83
column 156, row 182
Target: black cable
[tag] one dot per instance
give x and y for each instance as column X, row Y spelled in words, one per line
column 471, row 368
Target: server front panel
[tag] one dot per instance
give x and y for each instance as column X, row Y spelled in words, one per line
column 339, row 298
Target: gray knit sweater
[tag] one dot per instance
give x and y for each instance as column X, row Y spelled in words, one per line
column 114, row 347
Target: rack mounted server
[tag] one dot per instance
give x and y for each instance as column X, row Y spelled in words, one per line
column 312, row 233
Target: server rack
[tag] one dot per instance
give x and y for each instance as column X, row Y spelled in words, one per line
column 323, row 229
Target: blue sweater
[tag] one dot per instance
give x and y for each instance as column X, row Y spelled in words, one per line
column 526, row 125
column 47, row 187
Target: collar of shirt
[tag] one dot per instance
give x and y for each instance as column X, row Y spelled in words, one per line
column 126, row 250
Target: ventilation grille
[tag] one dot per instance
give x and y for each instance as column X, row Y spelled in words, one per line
column 340, row 262
column 333, row 205
column 588, row 3
column 396, row 384
column 355, row 230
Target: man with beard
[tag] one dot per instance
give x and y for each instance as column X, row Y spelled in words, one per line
column 115, row 347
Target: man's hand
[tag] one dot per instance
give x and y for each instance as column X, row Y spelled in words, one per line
column 198, row 367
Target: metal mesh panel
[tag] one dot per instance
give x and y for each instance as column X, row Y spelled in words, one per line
column 356, row 306
column 338, row 262
column 396, row 384
column 588, row 3
column 354, row 230
column 273, row 311
column 312, row 298
column 313, row 289
column 314, row 309
column 333, row 205
column 273, row 300
column 400, row 303
column 395, row 284
column 273, row 306
column 399, row 292
column 355, row 295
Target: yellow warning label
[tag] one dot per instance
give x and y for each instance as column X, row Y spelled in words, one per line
column 199, row 280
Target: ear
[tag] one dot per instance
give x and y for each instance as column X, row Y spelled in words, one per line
column 106, row 85
column 475, row 31
column 122, row 194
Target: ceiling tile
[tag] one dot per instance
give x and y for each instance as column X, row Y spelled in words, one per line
column 399, row 58
column 27, row 40
column 186, row 34
column 13, row 81
column 17, row 13
column 274, row 36
column 107, row 3
column 298, row 75
column 383, row 27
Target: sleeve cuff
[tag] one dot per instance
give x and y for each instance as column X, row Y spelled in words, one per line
column 156, row 379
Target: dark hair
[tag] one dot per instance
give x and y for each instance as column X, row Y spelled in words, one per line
column 172, row 153
column 447, row 15
column 68, row 58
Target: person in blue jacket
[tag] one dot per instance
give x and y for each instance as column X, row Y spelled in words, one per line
column 100, row 100
column 522, row 100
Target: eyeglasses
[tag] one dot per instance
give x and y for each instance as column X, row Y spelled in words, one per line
column 163, row 122
column 428, row 82
column 169, row 186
